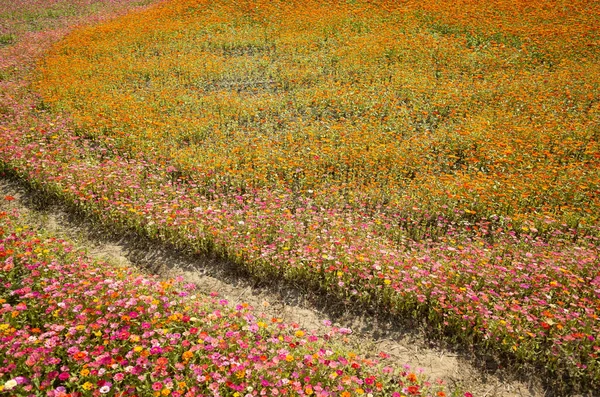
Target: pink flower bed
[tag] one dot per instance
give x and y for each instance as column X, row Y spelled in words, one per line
column 70, row 326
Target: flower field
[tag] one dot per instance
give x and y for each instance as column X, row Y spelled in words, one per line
column 439, row 161
column 359, row 102
column 70, row 326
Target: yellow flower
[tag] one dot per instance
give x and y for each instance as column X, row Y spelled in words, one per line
column 88, row 386
column 165, row 392
column 299, row 333
column 85, row 372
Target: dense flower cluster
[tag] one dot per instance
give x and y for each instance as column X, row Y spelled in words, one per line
column 489, row 229
column 70, row 326
column 483, row 107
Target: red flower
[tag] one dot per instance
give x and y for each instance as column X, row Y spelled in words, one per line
column 545, row 325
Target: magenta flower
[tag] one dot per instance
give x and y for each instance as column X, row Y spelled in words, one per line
column 156, row 350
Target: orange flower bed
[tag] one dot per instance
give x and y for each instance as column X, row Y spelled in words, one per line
column 488, row 107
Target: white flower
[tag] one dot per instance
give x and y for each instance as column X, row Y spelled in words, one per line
column 104, row 389
column 10, row 384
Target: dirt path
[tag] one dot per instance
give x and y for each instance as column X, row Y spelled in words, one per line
column 370, row 333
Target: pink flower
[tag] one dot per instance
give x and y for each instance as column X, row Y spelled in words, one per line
column 156, row 350
column 157, row 386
